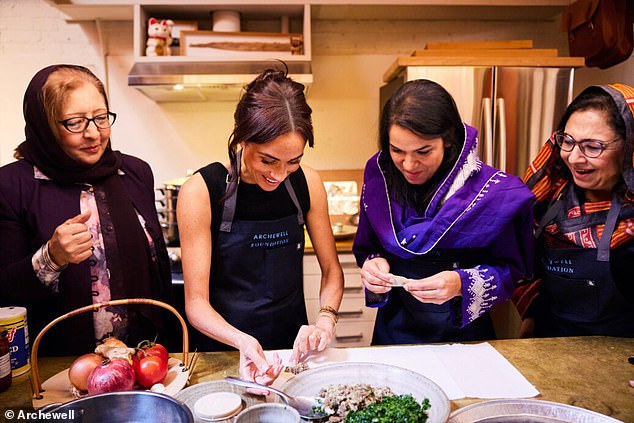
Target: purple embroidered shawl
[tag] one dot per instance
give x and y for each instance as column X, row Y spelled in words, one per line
column 484, row 204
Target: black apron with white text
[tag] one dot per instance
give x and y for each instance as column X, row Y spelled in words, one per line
column 405, row 320
column 579, row 294
column 257, row 286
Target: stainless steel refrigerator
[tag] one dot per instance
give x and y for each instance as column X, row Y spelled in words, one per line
column 515, row 109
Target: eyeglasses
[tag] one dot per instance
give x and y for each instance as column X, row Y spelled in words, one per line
column 589, row 147
column 78, row 125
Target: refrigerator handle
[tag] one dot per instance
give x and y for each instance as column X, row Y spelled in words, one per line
column 501, row 133
column 487, row 132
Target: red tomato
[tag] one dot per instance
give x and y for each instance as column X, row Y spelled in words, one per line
column 150, row 363
column 149, row 370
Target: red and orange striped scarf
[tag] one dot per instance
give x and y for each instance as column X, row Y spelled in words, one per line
column 548, row 188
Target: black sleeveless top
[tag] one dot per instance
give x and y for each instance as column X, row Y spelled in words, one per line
column 253, row 202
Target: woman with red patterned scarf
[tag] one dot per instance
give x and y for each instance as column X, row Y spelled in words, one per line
column 583, row 181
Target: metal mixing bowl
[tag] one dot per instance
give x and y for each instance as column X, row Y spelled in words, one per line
column 122, row 407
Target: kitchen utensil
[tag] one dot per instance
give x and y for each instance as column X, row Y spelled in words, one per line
column 269, row 413
column 57, row 389
column 168, row 221
column 122, row 407
column 305, row 406
column 399, row 380
column 526, row 411
column 192, row 364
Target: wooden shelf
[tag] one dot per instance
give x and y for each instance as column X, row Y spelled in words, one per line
column 474, row 60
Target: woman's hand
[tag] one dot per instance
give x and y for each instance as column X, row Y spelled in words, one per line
column 255, row 367
column 375, row 275
column 71, row 242
column 312, row 338
column 436, row 289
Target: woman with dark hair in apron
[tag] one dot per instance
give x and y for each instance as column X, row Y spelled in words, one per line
column 241, row 229
column 583, row 179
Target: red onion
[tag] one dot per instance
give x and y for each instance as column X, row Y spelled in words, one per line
column 110, row 376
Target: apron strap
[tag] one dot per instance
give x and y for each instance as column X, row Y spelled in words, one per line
column 291, row 192
column 603, row 253
column 552, row 212
column 229, row 209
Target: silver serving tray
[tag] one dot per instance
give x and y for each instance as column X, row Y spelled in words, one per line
column 526, row 411
column 399, row 380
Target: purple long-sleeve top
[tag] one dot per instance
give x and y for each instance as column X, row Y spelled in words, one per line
column 474, row 206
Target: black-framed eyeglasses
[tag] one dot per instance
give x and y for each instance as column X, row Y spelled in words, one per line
column 588, row 147
column 78, row 125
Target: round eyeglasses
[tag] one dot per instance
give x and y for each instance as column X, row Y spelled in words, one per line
column 78, row 125
column 589, row 147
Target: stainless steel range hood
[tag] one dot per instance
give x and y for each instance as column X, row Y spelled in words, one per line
column 205, row 81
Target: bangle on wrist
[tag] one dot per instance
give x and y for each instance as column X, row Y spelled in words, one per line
column 329, row 310
column 48, row 260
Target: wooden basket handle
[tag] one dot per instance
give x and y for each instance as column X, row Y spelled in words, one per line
column 35, row 374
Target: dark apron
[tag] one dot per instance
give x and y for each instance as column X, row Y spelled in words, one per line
column 257, row 286
column 405, row 320
column 580, row 294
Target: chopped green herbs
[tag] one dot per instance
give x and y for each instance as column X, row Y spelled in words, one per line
column 397, row 408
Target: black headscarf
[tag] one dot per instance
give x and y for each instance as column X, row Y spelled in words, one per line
column 41, row 147
column 131, row 267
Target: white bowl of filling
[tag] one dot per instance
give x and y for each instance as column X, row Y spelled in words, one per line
column 371, row 389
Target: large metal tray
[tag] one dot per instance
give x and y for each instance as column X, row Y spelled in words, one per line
column 526, row 411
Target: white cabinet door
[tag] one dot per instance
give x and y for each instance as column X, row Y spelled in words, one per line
column 356, row 321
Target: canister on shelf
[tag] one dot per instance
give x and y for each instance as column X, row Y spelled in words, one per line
column 13, row 320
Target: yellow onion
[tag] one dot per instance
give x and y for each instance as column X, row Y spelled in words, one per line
column 81, row 368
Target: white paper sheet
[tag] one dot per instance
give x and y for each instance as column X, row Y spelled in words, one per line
column 461, row 370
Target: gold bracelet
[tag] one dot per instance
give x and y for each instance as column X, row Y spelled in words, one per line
column 331, row 310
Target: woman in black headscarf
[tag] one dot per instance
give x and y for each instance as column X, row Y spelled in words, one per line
column 78, row 222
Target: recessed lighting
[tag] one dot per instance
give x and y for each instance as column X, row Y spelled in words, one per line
column 178, row 87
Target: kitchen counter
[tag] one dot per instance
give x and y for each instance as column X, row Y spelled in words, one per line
column 343, row 245
column 588, row 372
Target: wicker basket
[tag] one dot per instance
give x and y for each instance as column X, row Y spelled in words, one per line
column 41, row 397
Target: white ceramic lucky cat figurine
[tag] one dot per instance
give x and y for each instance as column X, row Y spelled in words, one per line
column 159, row 37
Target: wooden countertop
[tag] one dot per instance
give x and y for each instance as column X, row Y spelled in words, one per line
column 588, row 372
column 343, row 245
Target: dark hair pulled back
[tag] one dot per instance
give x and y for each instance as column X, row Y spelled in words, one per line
column 271, row 105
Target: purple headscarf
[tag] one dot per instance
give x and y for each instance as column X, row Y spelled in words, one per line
column 471, row 206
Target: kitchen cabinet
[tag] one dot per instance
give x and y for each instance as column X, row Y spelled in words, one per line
column 217, row 73
column 254, row 17
column 356, row 321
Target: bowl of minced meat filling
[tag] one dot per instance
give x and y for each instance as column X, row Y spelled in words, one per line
column 348, row 388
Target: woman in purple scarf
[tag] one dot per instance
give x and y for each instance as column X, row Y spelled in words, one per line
column 442, row 237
